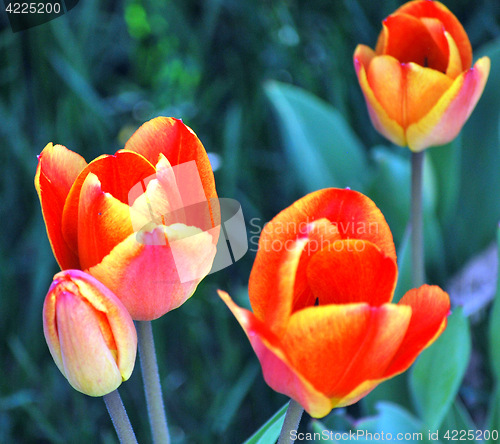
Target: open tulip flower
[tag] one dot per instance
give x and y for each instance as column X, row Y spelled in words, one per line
column 90, row 334
column 418, row 83
column 323, row 325
column 143, row 221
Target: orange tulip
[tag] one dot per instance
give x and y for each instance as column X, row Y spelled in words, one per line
column 143, row 221
column 322, row 325
column 418, row 83
column 90, row 334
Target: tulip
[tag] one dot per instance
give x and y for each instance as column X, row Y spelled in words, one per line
column 90, row 334
column 418, row 84
column 323, row 325
column 143, row 221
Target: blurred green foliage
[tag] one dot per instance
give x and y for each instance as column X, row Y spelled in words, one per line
column 90, row 78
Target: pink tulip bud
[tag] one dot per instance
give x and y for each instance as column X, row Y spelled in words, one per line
column 90, row 334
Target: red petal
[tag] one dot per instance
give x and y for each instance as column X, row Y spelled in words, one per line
column 409, row 40
column 352, row 271
column 430, row 307
column 117, row 175
column 434, row 9
column 276, row 367
column 153, row 272
column 339, row 347
column 57, row 169
column 178, row 143
column 103, row 222
column 273, row 274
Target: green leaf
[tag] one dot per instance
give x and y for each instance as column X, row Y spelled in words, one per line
column 445, row 160
column 390, row 188
column 436, row 377
column 474, row 222
column 394, row 420
column 270, row 431
column 320, row 145
column 494, row 333
column 458, row 418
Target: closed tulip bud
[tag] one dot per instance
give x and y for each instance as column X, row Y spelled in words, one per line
column 419, row 83
column 90, row 334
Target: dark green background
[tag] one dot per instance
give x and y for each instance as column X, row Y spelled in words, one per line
column 88, row 79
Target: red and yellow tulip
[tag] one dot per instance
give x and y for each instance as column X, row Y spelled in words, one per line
column 138, row 220
column 323, row 325
column 90, row 334
column 418, row 83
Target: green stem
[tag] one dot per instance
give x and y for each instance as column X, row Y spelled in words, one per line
column 119, row 418
column 292, row 420
column 417, row 237
column 152, row 386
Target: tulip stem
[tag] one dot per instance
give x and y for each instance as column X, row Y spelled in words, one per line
column 292, row 420
column 119, row 417
column 152, row 386
column 417, row 237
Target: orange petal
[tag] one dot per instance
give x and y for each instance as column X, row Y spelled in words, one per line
column 178, row 143
column 409, row 40
column 445, row 119
column 278, row 372
column 155, row 271
column 273, row 280
column 352, row 271
column 435, row 9
column 424, row 87
column 389, row 127
column 89, row 333
column 283, row 239
column 103, row 222
column 117, row 175
column 386, row 80
column 321, row 233
column 430, row 307
column 57, row 169
column 454, row 67
column 337, row 348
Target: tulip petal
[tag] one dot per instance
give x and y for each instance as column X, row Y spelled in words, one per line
column 103, row 222
column 386, row 125
column 430, row 307
column 157, row 270
column 76, row 325
column 339, row 347
column 278, row 372
column 117, row 175
column 454, row 67
column 272, row 283
column 352, row 271
column 445, row 120
column 173, row 195
column 402, row 31
column 423, row 88
column 386, row 80
column 435, row 9
column 117, row 331
column 321, row 234
column 117, row 319
column 178, row 143
column 57, row 169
